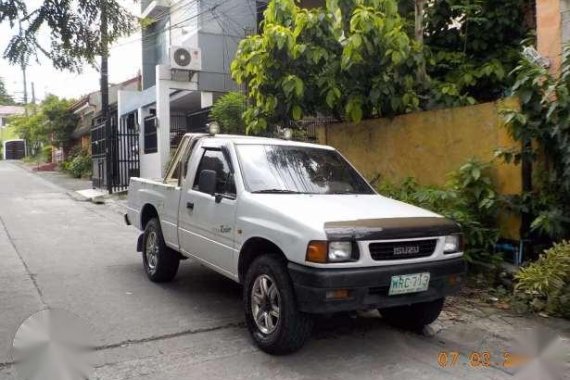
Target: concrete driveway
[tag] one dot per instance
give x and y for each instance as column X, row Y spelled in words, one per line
column 60, row 253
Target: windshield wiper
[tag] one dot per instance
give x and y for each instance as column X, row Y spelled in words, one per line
column 276, row 191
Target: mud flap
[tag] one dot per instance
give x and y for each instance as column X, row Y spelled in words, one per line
column 140, row 243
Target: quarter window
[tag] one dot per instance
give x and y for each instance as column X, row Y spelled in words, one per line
column 216, row 161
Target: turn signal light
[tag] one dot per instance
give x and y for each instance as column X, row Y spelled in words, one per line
column 454, row 279
column 338, row 294
column 317, row 251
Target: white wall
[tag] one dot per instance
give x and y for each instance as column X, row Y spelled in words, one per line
column 153, row 165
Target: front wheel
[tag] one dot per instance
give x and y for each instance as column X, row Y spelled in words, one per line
column 271, row 313
column 414, row 316
column 160, row 263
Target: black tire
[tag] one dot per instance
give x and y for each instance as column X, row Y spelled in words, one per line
column 413, row 317
column 162, row 267
column 292, row 327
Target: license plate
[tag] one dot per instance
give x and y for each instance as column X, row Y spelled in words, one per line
column 409, row 283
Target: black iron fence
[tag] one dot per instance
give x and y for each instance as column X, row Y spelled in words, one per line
column 122, row 150
column 98, row 153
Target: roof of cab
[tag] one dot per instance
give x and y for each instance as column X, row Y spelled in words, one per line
column 253, row 140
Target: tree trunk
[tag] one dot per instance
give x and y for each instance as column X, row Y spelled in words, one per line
column 419, row 35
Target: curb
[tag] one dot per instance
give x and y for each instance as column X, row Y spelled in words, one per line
column 76, row 197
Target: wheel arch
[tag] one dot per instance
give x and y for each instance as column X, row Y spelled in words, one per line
column 252, row 249
column 148, row 212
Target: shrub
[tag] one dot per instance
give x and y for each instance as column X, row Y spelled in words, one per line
column 47, row 153
column 78, row 164
column 227, row 112
column 469, row 198
column 545, row 284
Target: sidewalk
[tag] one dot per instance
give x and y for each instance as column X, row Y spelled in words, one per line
column 77, row 188
column 65, row 181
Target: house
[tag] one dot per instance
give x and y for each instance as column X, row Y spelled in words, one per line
column 12, row 146
column 88, row 107
column 173, row 100
column 7, row 111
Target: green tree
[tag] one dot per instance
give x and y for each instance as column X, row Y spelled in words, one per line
column 227, row 112
column 473, row 44
column 31, row 128
column 74, row 26
column 5, row 98
column 49, row 123
column 350, row 59
column 59, row 120
column 542, row 126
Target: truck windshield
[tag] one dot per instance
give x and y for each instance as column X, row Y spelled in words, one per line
column 298, row 170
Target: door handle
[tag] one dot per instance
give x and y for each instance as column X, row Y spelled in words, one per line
column 190, row 205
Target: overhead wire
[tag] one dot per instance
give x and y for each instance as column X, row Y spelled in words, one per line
column 171, row 27
column 184, row 23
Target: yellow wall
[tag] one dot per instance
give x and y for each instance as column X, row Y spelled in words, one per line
column 429, row 145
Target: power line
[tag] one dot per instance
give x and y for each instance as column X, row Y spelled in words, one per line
column 183, row 23
column 173, row 9
column 175, row 26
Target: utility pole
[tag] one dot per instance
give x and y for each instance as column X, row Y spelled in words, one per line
column 105, row 98
column 23, row 66
column 25, row 84
column 33, row 94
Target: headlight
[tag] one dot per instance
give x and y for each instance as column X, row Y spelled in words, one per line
column 340, row 251
column 453, row 243
column 319, row 251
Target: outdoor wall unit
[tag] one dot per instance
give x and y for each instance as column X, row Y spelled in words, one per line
column 185, row 58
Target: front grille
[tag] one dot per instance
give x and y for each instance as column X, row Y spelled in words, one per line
column 402, row 249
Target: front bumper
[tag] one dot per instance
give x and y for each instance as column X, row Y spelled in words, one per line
column 368, row 287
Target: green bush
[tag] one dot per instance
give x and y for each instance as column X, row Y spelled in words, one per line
column 544, row 285
column 47, row 153
column 227, row 112
column 78, row 164
column 469, row 198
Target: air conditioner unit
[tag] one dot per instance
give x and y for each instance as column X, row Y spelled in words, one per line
column 185, row 58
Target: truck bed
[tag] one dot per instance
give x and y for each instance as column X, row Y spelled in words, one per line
column 163, row 197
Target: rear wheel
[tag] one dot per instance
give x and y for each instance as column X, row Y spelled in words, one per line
column 271, row 313
column 160, row 262
column 415, row 316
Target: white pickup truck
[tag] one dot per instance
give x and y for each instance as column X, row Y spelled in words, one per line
column 300, row 229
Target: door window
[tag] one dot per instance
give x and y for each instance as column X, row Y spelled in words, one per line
column 216, row 161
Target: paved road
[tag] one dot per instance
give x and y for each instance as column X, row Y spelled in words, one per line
column 57, row 252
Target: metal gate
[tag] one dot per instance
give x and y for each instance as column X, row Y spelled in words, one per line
column 15, row 149
column 98, row 153
column 122, row 150
column 126, row 163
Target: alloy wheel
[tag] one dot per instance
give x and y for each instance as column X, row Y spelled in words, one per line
column 152, row 249
column 265, row 304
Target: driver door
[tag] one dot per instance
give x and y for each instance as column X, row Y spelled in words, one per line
column 206, row 222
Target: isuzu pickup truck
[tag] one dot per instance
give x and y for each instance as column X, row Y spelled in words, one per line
column 300, row 229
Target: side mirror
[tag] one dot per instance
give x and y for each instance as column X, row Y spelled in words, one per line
column 207, row 182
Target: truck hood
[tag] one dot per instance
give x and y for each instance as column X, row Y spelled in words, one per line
column 317, row 210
